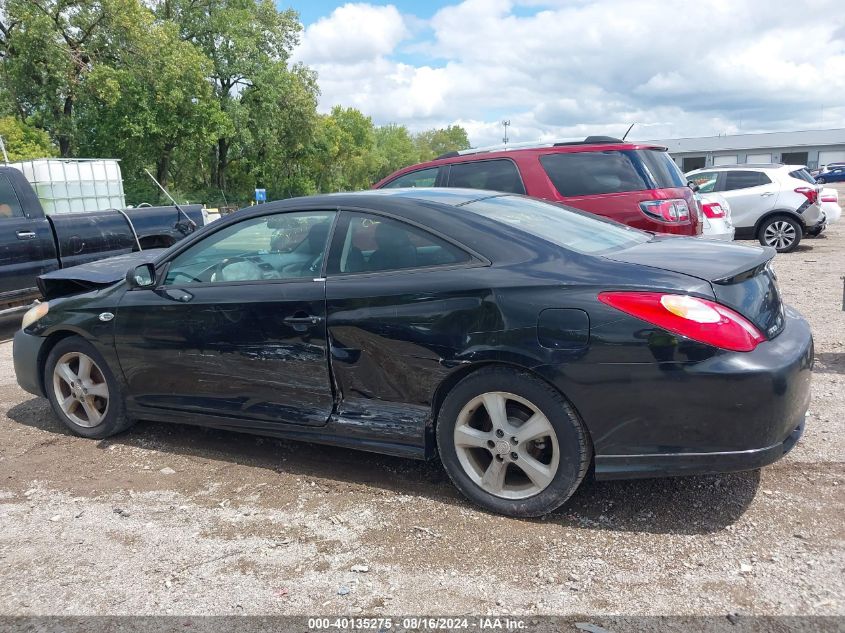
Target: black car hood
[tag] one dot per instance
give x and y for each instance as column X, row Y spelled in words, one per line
column 716, row 262
column 84, row 277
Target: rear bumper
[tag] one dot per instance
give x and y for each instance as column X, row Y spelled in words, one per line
column 26, row 350
column 817, row 228
column 733, row 411
column 676, row 464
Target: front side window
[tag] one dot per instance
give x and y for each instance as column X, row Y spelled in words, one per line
column 371, row 243
column 421, row 178
column 741, row 179
column 280, row 246
column 494, row 175
column 706, row 181
column 10, row 206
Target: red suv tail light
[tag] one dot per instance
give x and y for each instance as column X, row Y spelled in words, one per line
column 673, row 211
column 811, row 194
column 713, row 210
column 698, row 319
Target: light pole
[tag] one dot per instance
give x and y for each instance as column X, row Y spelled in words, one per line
column 506, row 123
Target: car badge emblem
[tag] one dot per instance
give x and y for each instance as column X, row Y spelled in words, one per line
column 106, row 316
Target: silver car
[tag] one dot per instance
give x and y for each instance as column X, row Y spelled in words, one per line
column 776, row 204
column 716, row 221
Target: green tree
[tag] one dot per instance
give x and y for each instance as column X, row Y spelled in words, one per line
column 24, row 141
column 150, row 102
column 433, row 143
column 241, row 38
column 280, row 125
column 394, row 149
column 48, row 48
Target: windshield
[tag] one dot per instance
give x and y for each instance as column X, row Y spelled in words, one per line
column 564, row 227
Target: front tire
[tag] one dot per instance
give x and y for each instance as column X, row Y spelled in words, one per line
column 512, row 443
column 781, row 233
column 83, row 391
column 820, row 181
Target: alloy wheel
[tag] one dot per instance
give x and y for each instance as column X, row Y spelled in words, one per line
column 779, row 234
column 81, row 389
column 506, row 445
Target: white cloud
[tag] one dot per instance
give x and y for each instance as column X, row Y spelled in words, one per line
column 563, row 68
column 353, row 32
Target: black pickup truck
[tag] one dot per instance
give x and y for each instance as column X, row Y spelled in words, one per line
column 32, row 243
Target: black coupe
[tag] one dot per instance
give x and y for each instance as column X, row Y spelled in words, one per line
column 522, row 341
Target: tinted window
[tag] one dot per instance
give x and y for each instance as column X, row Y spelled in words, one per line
column 706, row 180
column 802, row 174
column 576, row 231
column 592, row 173
column 744, row 180
column 421, row 178
column 373, row 243
column 282, row 246
column 661, row 168
column 495, row 175
column 10, row 207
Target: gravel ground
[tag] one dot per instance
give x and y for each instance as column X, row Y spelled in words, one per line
column 170, row 519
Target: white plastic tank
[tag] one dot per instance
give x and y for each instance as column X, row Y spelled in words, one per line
column 73, row 185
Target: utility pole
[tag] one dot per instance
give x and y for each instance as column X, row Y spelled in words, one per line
column 506, row 123
column 3, row 148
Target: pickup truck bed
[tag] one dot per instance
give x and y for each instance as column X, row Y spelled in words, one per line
column 32, row 243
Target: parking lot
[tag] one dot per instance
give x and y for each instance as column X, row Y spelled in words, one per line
column 181, row 520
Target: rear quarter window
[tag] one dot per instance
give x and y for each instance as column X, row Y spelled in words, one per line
column 611, row 171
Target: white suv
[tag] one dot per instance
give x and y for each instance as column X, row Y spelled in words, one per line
column 777, row 204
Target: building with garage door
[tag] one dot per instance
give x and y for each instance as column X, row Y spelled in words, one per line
column 813, row 148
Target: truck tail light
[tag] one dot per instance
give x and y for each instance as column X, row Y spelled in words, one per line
column 808, row 192
column 673, row 211
column 697, row 319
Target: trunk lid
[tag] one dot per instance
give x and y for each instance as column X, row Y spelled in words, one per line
column 741, row 276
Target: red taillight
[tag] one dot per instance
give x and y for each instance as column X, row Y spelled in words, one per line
column 808, row 192
column 830, row 199
column 713, row 210
column 670, row 211
column 698, row 319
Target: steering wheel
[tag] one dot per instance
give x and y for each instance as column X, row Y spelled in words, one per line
column 218, row 269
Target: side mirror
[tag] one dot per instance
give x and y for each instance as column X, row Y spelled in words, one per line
column 142, row 276
column 692, row 185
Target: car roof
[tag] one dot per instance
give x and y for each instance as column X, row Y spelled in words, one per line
column 496, row 153
column 379, row 198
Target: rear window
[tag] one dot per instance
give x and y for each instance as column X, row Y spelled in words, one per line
column 744, row 179
column 570, row 229
column 612, row 171
column 495, row 175
column 802, row 174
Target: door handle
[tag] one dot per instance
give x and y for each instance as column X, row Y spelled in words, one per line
column 303, row 320
column 768, row 193
column 25, row 235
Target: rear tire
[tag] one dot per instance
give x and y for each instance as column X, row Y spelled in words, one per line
column 83, row 391
column 524, row 459
column 820, row 181
column 781, row 233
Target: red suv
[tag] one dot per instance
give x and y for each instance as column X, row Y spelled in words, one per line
column 632, row 183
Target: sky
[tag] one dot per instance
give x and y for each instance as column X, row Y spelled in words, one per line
column 565, row 69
